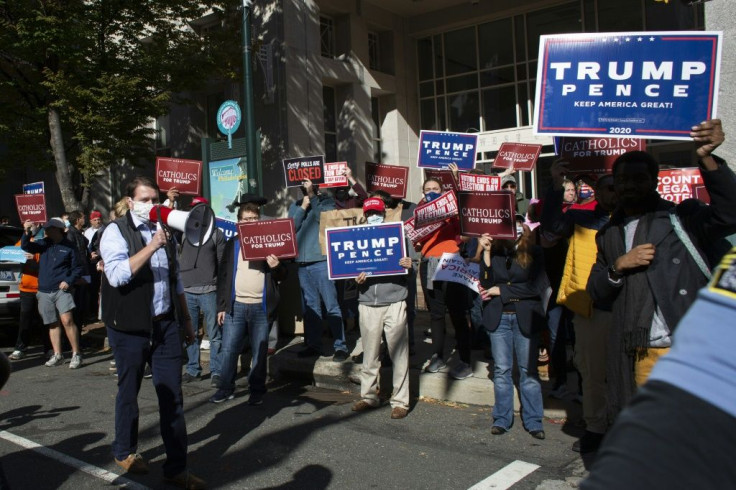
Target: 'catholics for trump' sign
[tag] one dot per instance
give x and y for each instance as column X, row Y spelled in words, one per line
column 387, row 178
column 521, row 156
column 31, row 207
column 487, row 212
column 594, row 155
column 185, row 175
column 373, row 249
column 440, row 149
column 259, row 239
column 641, row 84
column 297, row 170
column 440, row 209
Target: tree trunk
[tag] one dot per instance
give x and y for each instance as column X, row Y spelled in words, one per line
column 63, row 173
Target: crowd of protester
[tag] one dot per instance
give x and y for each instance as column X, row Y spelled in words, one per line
column 602, row 264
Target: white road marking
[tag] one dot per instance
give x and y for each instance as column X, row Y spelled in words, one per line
column 73, row 462
column 506, row 476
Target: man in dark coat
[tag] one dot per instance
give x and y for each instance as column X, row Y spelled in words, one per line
column 649, row 269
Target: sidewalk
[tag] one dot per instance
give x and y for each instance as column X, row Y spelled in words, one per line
column 323, row 372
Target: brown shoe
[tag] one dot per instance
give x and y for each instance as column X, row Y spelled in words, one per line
column 134, row 463
column 362, row 406
column 399, row 412
column 187, row 481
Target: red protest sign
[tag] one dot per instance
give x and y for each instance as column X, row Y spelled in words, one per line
column 440, row 209
column 478, row 183
column 259, row 239
column 701, row 193
column 334, row 174
column 416, row 235
column 31, row 207
column 487, row 212
column 297, row 170
column 678, row 184
column 522, row 156
column 595, row 155
column 444, row 176
column 185, row 175
column 387, row 178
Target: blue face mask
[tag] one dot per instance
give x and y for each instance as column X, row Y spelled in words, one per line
column 67, row 224
column 374, row 219
column 585, row 193
column 431, row 196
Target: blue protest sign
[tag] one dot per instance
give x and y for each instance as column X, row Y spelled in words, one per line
column 228, row 228
column 12, row 254
column 34, row 188
column 373, row 249
column 440, row 149
column 630, row 84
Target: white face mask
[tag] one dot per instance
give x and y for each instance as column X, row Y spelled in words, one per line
column 374, row 219
column 142, row 210
column 519, row 232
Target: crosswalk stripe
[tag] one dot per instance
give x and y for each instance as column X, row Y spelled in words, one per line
column 506, row 476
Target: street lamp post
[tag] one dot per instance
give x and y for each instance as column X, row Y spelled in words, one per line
column 250, row 126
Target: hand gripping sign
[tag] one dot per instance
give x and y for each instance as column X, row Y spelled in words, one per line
column 627, row 84
column 373, row 249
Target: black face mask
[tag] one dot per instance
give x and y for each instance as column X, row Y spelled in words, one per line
column 342, row 195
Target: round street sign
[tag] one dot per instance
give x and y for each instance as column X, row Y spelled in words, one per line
column 228, row 117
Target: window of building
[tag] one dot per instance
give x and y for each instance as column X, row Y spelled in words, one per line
column 327, row 37
column 376, row 130
column 330, row 123
column 162, row 132
column 374, row 51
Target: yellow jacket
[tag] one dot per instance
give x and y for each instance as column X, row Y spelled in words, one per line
column 581, row 256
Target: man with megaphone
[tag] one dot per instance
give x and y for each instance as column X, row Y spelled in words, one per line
column 145, row 312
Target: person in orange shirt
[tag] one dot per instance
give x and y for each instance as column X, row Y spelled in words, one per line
column 442, row 296
column 28, row 304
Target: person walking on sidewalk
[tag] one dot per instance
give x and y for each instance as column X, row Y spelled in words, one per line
column 382, row 310
column 145, row 311
column 247, row 298
column 59, row 269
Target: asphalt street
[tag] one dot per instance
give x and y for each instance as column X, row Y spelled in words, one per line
column 57, row 425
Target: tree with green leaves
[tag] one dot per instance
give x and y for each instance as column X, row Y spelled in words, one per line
column 82, row 80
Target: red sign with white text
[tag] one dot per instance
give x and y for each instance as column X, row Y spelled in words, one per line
column 444, row 176
column 440, row 209
column 595, row 155
column 31, row 207
column 522, row 156
column 487, row 212
column 185, row 175
column 259, row 239
column 678, row 184
column 335, row 174
column 387, row 178
column 416, row 235
column 478, row 183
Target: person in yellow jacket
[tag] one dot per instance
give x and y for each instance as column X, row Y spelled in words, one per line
column 591, row 322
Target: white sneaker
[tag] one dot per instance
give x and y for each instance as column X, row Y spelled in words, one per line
column 204, row 345
column 76, row 361
column 17, row 355
column 49, row 354
column 55, row 360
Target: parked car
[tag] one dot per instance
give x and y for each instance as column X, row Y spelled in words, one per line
column 10, row 272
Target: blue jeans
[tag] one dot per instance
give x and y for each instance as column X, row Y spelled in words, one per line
column 162, row 348
column 506, row 340
column 207, row 304
column 317, row 288
column 245, row 319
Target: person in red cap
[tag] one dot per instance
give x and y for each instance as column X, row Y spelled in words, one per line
column 95, row 223
column 199, row 200
column 382, row 310
column 93, row 234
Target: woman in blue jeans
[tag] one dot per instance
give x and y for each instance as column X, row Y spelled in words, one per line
column 512, row 282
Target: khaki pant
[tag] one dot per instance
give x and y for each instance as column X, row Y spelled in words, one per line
column 643, row 367
column 591, row 347
column 391, row 320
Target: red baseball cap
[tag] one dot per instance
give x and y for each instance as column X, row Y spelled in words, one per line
column 374, row 204
column 199, row 200
column 95, row 215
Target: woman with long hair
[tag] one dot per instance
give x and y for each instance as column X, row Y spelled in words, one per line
column 513, row 287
